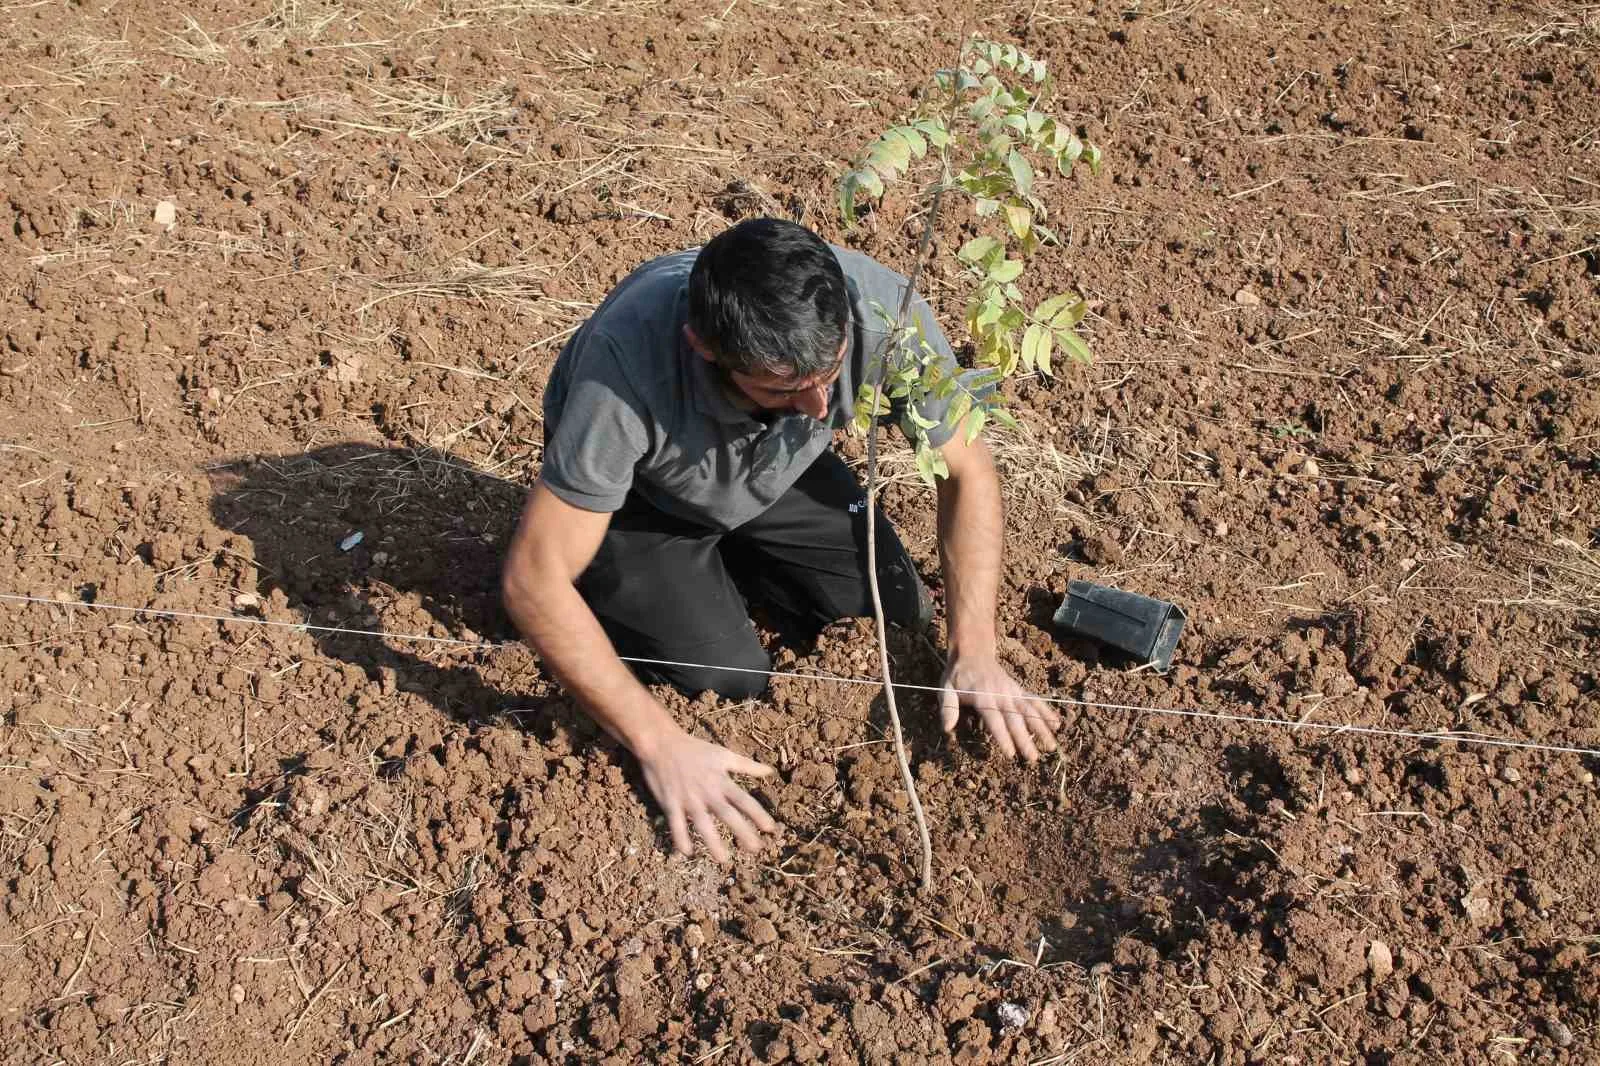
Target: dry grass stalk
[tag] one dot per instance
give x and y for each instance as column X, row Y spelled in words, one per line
column 194, row 43
column 419, row 109
column 292, row 21
column 1032, row 469
column 466, row 280
column 1564, row 577
column 506, row 11
column 90, row 59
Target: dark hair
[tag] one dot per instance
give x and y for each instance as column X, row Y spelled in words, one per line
column 769, row 296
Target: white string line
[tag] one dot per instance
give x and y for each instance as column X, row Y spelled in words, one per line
column 1176, row 712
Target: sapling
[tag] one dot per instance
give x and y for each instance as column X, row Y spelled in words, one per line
column 985, row 135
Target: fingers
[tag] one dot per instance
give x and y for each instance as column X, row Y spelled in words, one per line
column 706, row 826
column 749, row 767
column 949, row 708
column 752, row 809
column 1017, row 722
column 995, row 723
column 1041, row 720
column 743, row 831
column 681, row 842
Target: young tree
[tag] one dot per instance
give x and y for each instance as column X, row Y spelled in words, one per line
column 988, row 138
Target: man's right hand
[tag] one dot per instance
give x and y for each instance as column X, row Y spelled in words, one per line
column 689, row 778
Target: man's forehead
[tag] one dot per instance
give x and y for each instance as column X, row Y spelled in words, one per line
column 774, row 383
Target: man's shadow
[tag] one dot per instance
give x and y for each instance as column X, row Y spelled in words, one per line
column 357, row 536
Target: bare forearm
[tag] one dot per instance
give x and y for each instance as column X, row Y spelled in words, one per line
column 561, row 628
column 970, row 532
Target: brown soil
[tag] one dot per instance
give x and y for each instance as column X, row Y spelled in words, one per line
column 1345, row 410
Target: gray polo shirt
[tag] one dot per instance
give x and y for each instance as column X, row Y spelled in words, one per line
column 630, row 406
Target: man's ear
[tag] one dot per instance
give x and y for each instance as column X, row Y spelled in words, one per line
column 697, row 344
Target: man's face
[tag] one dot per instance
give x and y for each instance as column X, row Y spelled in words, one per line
column 771, row 393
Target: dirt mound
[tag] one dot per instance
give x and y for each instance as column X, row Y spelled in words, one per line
column 276, row 276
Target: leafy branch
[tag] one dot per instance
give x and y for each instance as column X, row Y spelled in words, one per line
column 991, row 139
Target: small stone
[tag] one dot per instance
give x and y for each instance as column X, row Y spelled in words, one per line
column 246, row 600
column 1310, row 468
column 1510, row 774
column 1012, row 1016
column 1558, row 1032
column 1477, row 909
column 702, row 982
column 1246, row 298
column 1219, row 528
column 237, row 994
column 1380, row 961
column 166, row 213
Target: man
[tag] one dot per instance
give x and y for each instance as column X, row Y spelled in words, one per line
column 687, row 431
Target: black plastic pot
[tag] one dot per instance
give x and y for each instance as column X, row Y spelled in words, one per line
column 1143, row 627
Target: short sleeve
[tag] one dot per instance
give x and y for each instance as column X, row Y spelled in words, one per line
column 603, row 432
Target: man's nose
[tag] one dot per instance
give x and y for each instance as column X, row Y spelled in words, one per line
column 814, row 402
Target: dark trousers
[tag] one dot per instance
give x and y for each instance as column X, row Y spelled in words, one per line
column 664, row 588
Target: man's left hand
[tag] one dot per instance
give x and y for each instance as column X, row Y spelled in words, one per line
column 1019, row 722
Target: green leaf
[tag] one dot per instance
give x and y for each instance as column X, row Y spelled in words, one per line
column 1070, row 315
column 1035, row 121
column 976, row 249
column 1012, row 317
column 1071, row 149
column 934, row 130
column 914, row 140
column 1004, row 417
column 1016, row 123
column 975, row 421
column 985, row 207
column 890, row 155
column 1030, row 345
column 1019, row 218
column 1006, row 270
column 1092, row 156
column 869, row 181
column 1049, row 308
column 1073, row 345
column 959, row 406
column 1042, row 356
column 918, row 419
column 847, row 199
column 1038, row 70
column 1021, row 171
column 930, row 464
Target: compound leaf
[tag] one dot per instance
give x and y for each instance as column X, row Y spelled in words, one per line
column 1021, row 171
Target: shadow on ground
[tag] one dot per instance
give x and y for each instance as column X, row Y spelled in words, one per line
column 431, row 528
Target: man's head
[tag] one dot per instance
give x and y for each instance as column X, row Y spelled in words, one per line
column 768, row 305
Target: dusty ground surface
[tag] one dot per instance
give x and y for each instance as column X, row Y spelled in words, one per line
column 1345, row 410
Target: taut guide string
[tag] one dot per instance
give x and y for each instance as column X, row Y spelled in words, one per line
column 1177, row 712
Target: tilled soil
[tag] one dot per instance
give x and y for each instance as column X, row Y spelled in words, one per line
column 274, row 275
